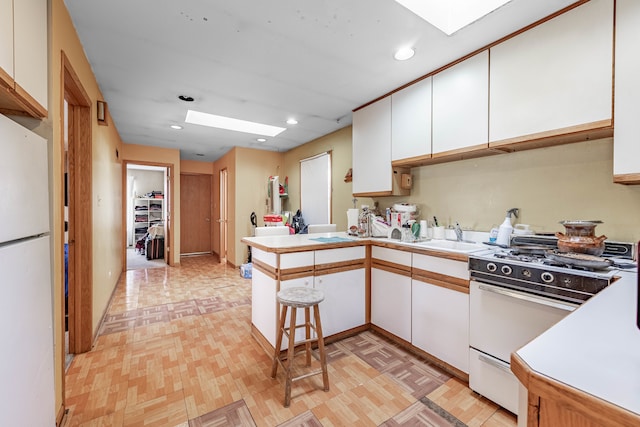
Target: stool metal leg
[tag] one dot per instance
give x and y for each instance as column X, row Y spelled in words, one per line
column 321, row 350
column 290, row 353
column 276, row 351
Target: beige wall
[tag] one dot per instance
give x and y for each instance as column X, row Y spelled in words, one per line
column 194, row 166
column 107, row 182
column 168, row 157
column 253, row 169
column 548, row 185
column 339, row 144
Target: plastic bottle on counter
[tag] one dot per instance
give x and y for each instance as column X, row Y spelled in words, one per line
column 505, row 229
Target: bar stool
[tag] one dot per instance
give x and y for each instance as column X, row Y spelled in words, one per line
column 294, row 298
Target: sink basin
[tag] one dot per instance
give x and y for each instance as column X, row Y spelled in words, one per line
column 453, row 246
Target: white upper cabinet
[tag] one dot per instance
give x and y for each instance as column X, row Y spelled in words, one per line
column 555, row 78
column 461, row 106
column 6, row 41
column 626, row 166
column 372, row 148
column 23, row 57
column 30, row 48
column 411, row 121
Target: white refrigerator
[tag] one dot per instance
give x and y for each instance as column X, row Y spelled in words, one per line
column 27, row 395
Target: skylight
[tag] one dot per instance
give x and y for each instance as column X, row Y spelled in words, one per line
column 451, row 15
column 228, row 123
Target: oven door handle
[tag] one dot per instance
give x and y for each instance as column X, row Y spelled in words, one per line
column 499, row 364
column 512, row 294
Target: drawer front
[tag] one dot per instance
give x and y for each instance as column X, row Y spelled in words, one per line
column 444, row 266
column 269, row 258
column 391, row 255
column 492, row 378
column 328, row 256
column 296, row 259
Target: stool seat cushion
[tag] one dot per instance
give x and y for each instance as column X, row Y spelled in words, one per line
column 300, row 297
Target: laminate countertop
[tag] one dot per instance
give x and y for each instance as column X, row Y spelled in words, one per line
column 595, row 349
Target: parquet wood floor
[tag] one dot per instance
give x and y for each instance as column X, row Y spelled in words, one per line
column 175, row 349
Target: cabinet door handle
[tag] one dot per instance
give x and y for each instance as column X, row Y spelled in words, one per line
column 495, row 363
column 533, row 299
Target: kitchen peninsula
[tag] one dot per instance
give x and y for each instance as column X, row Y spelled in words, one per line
column 585, row 370
column 582, row 371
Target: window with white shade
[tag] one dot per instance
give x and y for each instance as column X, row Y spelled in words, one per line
column 315, row 189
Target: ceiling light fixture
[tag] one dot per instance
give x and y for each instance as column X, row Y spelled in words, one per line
column 404, row 53
column 177, row 127
column 292, row 121
column 450, row 16
column 185, row 98
column 228, row 123
column 261, row 140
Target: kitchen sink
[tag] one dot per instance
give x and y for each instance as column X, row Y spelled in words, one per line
column 453, row 246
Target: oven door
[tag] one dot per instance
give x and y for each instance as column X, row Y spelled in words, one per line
column 500, row 322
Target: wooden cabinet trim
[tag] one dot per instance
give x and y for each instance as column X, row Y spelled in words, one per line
column 583, row 132
column 295, row 273
column 602, row 412
column 265, row 268
column 32, row 106
column 627, row 179
column 412, row 161
column 337, row 267
column 444, row 281
column 391, row 267
column 304, row 248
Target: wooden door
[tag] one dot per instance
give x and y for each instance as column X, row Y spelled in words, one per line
column 195, row 214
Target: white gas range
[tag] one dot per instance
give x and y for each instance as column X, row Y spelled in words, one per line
column 516, row 296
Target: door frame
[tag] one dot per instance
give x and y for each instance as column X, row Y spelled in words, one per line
column 168, row 202
column 224, row 215
column 80, row 257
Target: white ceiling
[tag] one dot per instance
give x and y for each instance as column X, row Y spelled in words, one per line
column 263, row 61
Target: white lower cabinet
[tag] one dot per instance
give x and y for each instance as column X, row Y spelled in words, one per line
column 263, row 314
column 306, row 282
column 390, row 299
column 344, row 302
column 440, row 323
column 391, row 291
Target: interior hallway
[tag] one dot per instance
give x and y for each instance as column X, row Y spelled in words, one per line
column 175, row 350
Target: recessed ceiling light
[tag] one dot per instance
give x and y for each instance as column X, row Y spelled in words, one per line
column 404, row 53
column 261, row 140
column 450, row 16
column 186, row 98
column 221, row 122
column 199, row 154
column 177, row 127
column 292, row 121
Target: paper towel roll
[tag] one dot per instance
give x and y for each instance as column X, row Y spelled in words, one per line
column 352, row 217
column 423, row 228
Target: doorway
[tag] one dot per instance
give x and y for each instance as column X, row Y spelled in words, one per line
column 77, row 216
column 195, row 214
column 146, row 213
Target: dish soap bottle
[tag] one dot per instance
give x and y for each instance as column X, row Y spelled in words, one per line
column 505, row 229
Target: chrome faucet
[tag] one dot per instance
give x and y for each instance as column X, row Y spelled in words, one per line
column 458, row 231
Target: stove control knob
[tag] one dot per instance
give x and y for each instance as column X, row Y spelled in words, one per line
column 506, row 270
column 526, row 273
column 547, row 277
column 492, row 267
